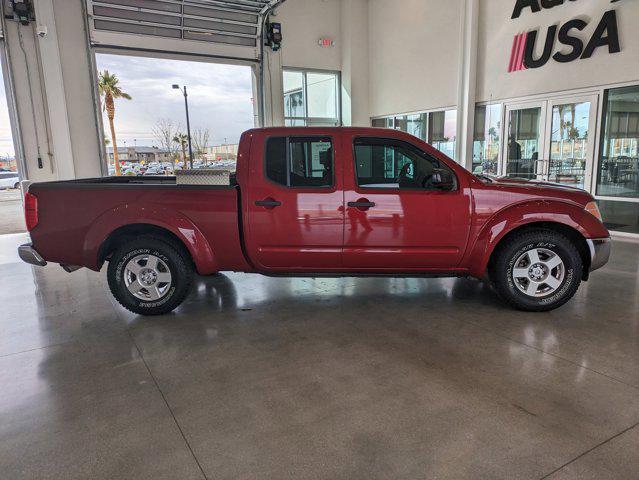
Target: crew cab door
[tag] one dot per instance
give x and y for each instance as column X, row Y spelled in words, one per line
column 399, row 216
column 295, row 203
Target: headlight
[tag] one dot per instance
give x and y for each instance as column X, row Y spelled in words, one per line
column 593, row 209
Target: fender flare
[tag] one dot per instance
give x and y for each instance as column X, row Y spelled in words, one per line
column 566, row 214
column 149, row 214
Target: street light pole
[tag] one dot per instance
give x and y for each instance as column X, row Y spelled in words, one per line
column 188, row 123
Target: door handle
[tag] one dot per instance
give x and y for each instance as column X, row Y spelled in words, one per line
column 268, row 203
column 362, row 204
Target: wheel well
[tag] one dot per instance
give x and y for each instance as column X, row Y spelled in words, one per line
column 123, row 234
column 577, row 238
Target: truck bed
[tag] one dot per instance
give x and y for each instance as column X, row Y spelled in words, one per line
column 76, row 217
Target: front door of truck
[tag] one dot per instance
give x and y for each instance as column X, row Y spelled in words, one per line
column 295, row 203
column 399, row 215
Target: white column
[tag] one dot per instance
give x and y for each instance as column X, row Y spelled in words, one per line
column 467, row 82
column 55, row 94
column 354, row 49
column 273, row 89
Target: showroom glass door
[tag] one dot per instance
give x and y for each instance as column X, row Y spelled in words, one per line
column 523, row 141
column 570, row 129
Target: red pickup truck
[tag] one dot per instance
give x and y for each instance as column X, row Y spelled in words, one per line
column 321, row 202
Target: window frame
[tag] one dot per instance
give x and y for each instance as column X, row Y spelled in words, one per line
column 310, row 138
column 306, row 119
column 394, row 190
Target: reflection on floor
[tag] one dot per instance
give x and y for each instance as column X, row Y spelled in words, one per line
column 258, row 377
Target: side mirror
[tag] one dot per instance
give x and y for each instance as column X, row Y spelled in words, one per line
column 443, row 179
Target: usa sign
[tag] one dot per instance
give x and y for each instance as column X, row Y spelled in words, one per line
column 522, row 54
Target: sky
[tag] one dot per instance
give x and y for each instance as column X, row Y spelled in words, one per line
column 6, row 143
column 220, row 97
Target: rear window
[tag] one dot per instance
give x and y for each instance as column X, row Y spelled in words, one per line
column 302, row 162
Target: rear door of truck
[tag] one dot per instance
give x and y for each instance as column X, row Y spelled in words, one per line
column 295, row 203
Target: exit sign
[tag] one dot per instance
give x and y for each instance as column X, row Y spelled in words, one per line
column 326, row 42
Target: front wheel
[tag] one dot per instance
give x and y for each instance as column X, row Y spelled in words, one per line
column 537, row 270
column 149, row 276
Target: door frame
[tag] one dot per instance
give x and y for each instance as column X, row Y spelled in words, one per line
column 545, row 133
column 593, row 99
column 507, row 109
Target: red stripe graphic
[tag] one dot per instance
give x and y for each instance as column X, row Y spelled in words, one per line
column 522, row 49
column 517, row 53
column 511, row 65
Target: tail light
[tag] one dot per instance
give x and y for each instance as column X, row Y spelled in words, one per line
column 31, row 210
column 593, row 209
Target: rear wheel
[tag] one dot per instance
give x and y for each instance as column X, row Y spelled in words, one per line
column 149, row 276
column 537, row 270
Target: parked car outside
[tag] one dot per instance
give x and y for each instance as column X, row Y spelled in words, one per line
column 9, row 180
column 157, row 170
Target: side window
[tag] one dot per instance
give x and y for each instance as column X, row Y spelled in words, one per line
column 300, row 161
column 386, row 163
column 276, row 160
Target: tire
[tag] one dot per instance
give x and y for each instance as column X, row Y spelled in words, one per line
column 141, row 266
column 537, row 283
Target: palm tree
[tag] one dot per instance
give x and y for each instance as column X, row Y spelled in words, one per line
column 109, row 90
column 182, row 139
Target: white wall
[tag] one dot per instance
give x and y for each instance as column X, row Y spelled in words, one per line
column 74, row 57
column 414, row 54
column 497, row 30
column 304, row 22
column 355, row 61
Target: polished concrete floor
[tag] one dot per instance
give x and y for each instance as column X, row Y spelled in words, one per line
column 11, row 212
column 258, row 378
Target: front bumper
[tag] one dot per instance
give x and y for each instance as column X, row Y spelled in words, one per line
column 30, row 255
column 599, row 252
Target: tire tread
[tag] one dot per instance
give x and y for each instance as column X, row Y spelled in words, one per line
column 499, row 281
column 176, row 255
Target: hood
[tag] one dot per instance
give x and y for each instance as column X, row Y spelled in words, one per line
column 523, row 182
column 539, row 188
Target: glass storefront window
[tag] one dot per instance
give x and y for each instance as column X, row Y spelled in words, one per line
column 620, row 216
column 311, row 98
column 294, row 104
column 569, row 143
column 322, row 95
column 382, row 122
column 416, row 125
column 522, row 156
column 487, row 139
column 442, row 131
column 618, row 172
column 437, row 128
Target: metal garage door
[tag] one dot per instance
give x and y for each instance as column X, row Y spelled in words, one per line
column 226, row 22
